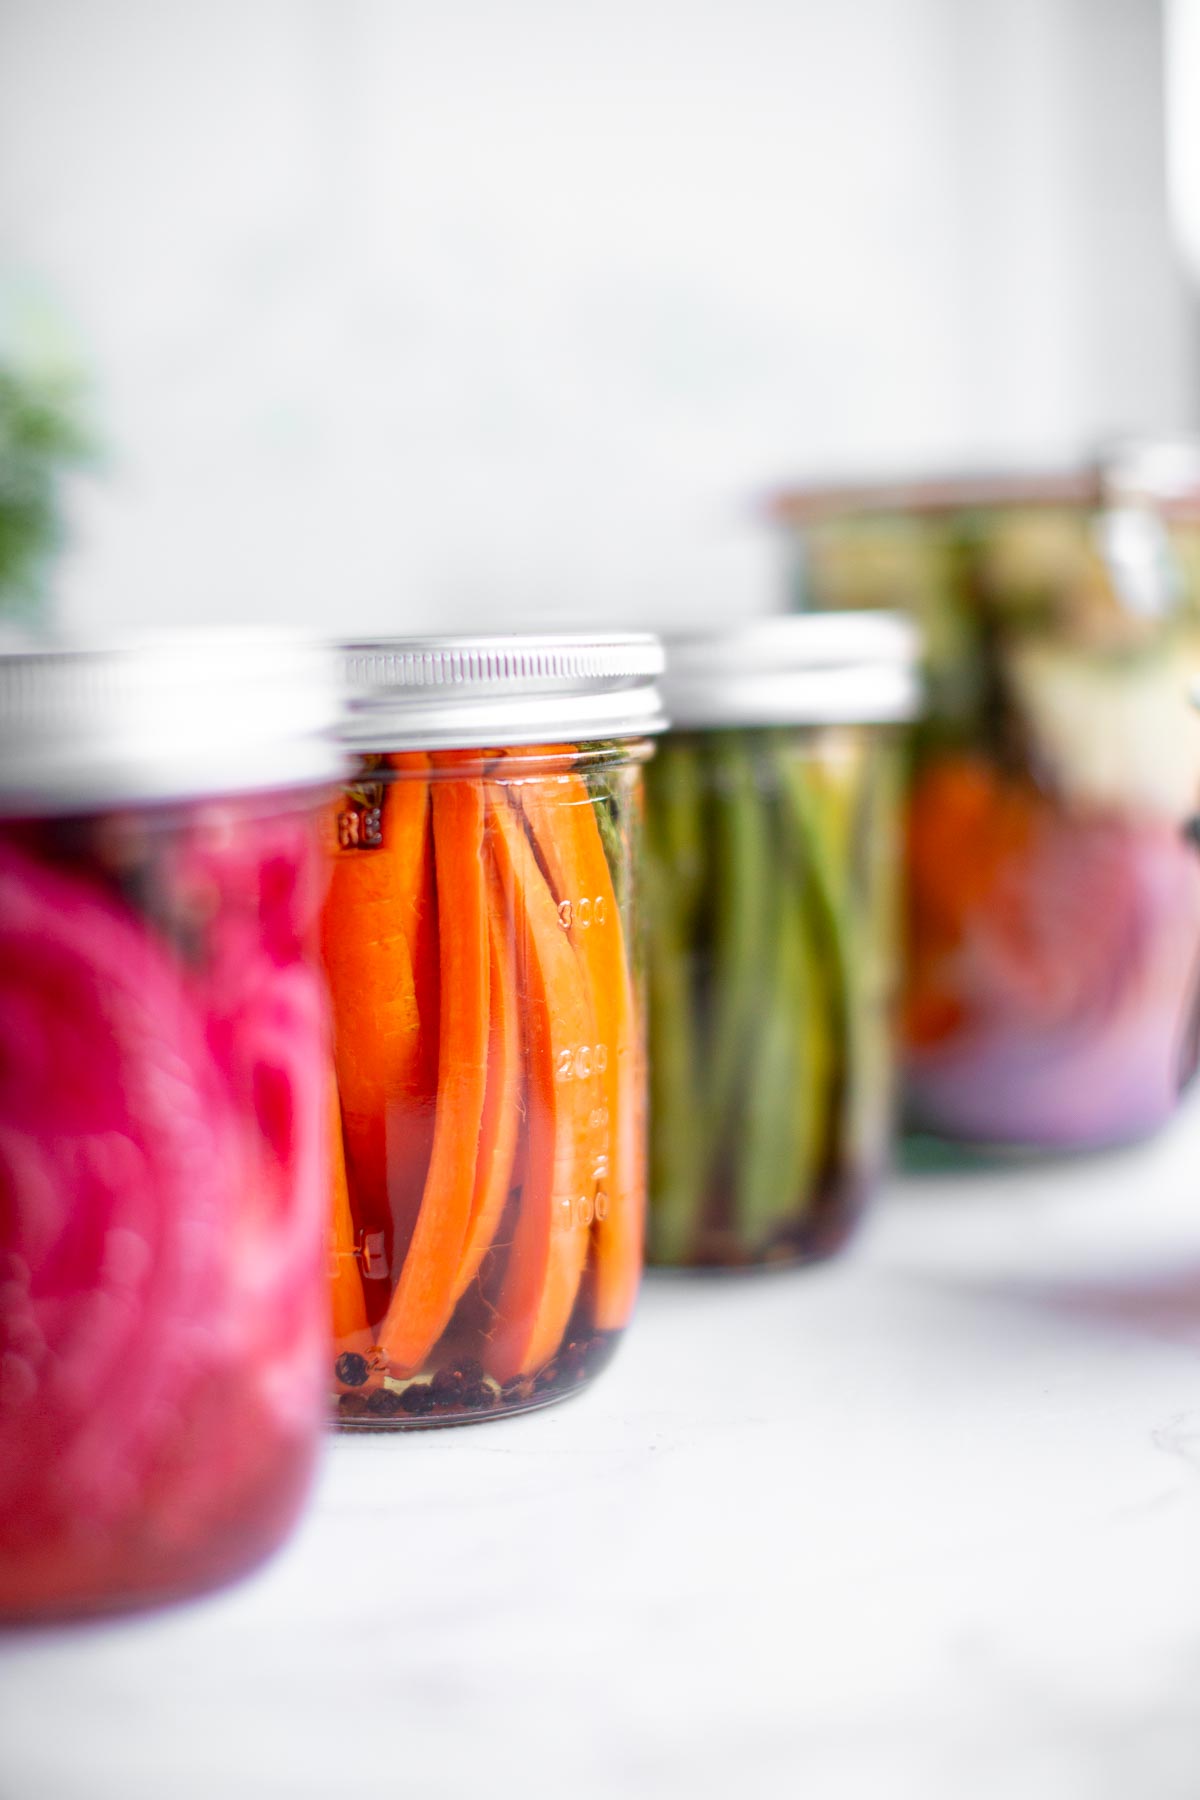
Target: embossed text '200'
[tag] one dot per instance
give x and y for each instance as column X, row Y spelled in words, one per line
column 579, row 1062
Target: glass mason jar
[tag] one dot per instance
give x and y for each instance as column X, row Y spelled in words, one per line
column 1054, row 908
column 163, row 1069
column 480, row 941
column 772, row 839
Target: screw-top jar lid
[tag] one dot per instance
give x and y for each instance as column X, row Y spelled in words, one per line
column 165, row 717
column 801, row 669
column 461, row 693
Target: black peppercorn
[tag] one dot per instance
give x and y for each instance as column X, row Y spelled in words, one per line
column 351, row 1369
column 447, row 1386
column 417, row 1399
column 385, row 1403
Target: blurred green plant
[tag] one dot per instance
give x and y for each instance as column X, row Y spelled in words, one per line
column 42, row 435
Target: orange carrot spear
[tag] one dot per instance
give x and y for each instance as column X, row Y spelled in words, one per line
column 563, row 821
column 369, row 931
column 424, row 1298
column 501, row 1109
column 550, row 1242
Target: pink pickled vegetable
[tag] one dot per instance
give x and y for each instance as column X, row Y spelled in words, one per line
column 161, row 1302
column 1051, row 961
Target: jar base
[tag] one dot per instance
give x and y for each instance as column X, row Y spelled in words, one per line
column 452, row 1421
column 356, row 1412
column 925, row 1150
column 819, row 1248
column 104, row 1596
column 816, row 1238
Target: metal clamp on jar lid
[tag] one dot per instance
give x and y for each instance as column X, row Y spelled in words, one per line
column 1155, row 471
column 165, row 718
column 803, row 669
column 465, row 693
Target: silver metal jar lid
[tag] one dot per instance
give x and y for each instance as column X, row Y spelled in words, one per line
column 462, row 693
column 165, row 717
column 797, row 669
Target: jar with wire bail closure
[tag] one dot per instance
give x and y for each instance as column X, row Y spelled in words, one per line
column 163, row 1047
column 772, row 882
column 1052, row 899
column 480, row 940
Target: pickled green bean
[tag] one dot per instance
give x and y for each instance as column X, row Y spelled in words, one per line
column 770, row 953
column 741, row 884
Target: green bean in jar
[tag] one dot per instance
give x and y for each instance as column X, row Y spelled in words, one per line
column 772, row 891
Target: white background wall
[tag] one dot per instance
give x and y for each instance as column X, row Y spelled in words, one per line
column 406, row 313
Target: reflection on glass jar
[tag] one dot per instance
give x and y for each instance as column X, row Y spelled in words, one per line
column 1054, row 909
column 480, row 941
column 772, row 863
column 162, row 1140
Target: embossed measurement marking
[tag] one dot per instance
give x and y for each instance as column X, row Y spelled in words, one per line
column 582, row 913
column 374, row 1257
column 360, row 822
column 580, row 1062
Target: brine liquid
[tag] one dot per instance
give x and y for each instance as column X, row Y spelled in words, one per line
column 772, row 885
column 162, row 1171
column 489, row 1197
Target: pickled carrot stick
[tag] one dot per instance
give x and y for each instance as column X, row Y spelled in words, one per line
column 962, row 800
column 350, row 1328
column 501, row 1108
column 991, row 820
column 424, row 1297
column 550, row 1242
column 369, row 931
column 420, row 926
column 562, row 818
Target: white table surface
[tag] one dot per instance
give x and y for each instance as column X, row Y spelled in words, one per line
column 924, row 1522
